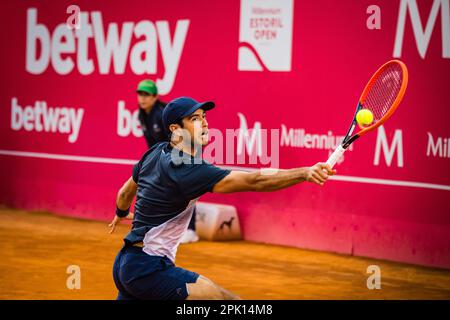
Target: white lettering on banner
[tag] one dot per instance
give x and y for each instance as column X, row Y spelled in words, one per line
column 42, row 118
column 422, row 35
column 397, row 144
column 36, row 32
column 84, row 63
column 112, row 47
column 128, row 122
column 294, row 137
column 265, row 35
column 439, row 148
column 254, row 141
column 250, row 141
column 298, row 137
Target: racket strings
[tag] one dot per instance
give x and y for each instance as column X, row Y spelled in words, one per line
column 383, row 94
column 384, row 91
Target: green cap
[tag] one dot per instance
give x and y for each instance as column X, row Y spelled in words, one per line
column 147, row 86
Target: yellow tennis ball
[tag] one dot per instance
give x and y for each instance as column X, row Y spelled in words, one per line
column 364, row 117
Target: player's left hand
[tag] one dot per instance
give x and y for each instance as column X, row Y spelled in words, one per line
column 117, row 219
column 112, row 225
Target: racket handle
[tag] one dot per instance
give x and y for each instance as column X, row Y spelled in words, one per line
column 335, row 156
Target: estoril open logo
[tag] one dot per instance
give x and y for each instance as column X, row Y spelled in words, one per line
column 265, row 35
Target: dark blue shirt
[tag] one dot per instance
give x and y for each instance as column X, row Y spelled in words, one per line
column 166, row 189
column 152, row 125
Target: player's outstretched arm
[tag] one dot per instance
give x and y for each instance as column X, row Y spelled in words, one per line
column 126, row 194
column 272, row 179
column 125, row 197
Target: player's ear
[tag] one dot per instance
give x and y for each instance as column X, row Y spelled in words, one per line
column 173, row 127
column 176, row 133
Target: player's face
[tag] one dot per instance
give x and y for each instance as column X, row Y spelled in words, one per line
column 197, row 126
column 146, row 101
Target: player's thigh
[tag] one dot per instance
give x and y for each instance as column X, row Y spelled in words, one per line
column 205, row 289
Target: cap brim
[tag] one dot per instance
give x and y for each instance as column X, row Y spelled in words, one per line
column 206, row 106
column 146, row 91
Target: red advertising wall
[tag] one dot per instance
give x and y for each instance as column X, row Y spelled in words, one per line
column 69, row 133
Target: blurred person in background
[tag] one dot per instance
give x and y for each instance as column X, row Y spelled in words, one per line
column 150, row 113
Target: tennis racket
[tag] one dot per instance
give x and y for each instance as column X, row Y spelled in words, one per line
column 381, row 96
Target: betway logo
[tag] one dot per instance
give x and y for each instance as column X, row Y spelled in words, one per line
column 113, row 49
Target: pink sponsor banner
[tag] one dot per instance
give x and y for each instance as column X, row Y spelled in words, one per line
column 294, row 68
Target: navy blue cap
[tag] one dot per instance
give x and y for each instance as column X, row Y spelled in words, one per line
column 182, row 107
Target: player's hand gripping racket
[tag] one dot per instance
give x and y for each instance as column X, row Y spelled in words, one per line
column 381, row 97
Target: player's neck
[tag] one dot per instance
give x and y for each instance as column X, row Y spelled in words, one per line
column 148, row 110
column 191, row 150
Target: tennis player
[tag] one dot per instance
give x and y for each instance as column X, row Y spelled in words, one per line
column 167, row 181
column 150, row 116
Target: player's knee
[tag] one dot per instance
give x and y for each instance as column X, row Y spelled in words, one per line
column 204, row 288
column 227, row 295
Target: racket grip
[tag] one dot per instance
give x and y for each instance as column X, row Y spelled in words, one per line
column 335, row 156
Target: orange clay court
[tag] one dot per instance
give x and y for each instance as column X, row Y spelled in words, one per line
column 37, row 248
